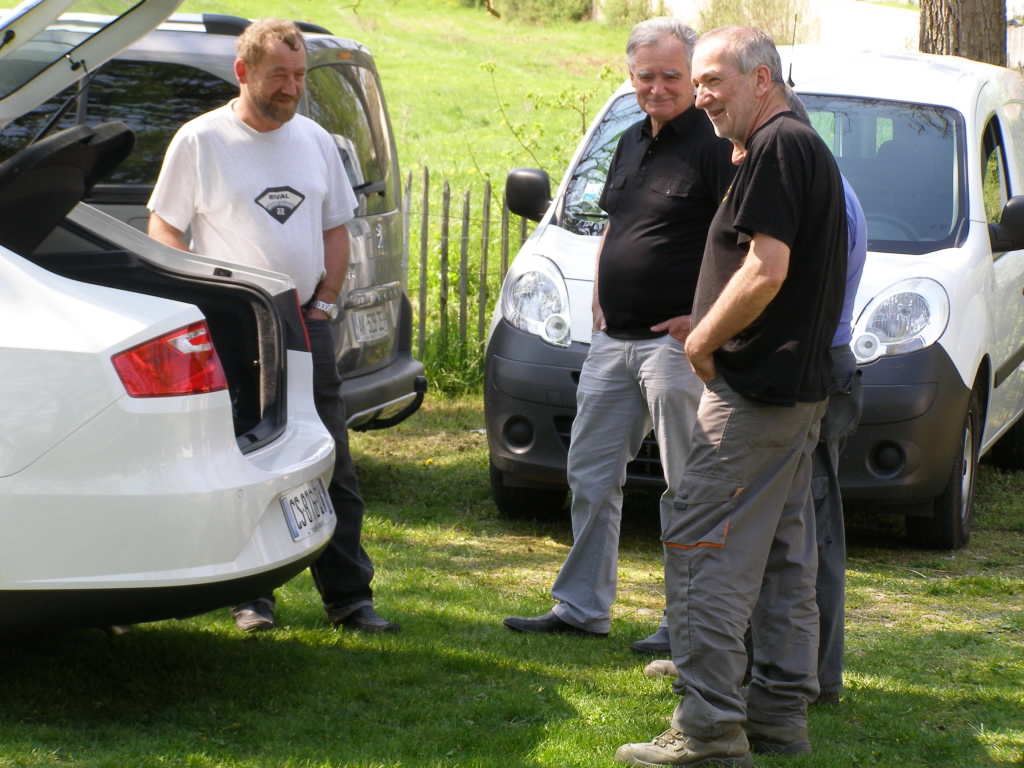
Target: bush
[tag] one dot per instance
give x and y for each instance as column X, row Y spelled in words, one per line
column 776, row 17
column 546, row 11
column 629, row 12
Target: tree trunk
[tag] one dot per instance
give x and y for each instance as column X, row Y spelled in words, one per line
column 974, row 29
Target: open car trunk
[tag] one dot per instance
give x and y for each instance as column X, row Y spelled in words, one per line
column 42, row 183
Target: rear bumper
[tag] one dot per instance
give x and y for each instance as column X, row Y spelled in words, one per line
column 125, row 528
column 389, row 395
column 385, row 397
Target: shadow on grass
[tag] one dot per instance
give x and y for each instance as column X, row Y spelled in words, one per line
column 174, row 690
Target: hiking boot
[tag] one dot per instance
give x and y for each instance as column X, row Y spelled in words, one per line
column 256, row 616
column 775, row 739
column 661, row 668
column 673, row 747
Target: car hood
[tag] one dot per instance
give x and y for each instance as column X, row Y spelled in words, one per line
column 42, row 54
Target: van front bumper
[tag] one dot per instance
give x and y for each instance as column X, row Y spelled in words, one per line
column 901, row 455
column 899, row 459
column 529, row 407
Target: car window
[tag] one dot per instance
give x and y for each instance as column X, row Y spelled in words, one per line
column 906, row 164
column 582, row 214
column 995, row 188
column 345, row 99
column 153, row 98
column 1013, row 124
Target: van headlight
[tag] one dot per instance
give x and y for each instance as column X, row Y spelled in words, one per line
column 534, row 299
column 905, row 317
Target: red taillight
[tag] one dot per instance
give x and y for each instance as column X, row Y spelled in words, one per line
column 182, row 362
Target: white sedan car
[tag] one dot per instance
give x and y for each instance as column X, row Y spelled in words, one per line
column 160, row 454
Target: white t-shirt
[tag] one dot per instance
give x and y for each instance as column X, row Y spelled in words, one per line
column 262, row 199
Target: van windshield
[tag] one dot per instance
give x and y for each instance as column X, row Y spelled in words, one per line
column 582, row 215
column 905, row 164
column 904, row 161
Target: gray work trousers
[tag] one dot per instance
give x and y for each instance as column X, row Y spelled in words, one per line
column 841, row 416
column 626, row 387
column 740, row 550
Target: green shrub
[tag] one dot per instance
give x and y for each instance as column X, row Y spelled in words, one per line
column 546, row 11
column 784, row 20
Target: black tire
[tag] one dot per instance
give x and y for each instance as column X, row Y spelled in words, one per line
column 519, row 503
column 949, row 526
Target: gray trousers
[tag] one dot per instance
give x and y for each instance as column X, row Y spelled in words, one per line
column 626, row 387
column 740, row 549
column 840, row 421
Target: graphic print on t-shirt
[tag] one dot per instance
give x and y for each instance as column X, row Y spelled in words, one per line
column 280, row 202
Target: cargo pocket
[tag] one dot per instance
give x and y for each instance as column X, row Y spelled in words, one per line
column 702, row 512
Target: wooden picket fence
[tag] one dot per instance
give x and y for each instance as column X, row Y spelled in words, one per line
column 472, row 257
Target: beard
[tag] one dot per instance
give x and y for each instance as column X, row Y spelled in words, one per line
column 276, row 107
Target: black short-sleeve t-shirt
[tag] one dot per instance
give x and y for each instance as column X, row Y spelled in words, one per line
column 660, row 196
column 788, row 187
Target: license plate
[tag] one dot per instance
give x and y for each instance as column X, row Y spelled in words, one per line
column 370, row 324
column 307, row 509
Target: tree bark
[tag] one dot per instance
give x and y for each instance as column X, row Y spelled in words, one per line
column 974, row 29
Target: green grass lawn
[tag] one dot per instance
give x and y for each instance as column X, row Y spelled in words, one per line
column 935, row 640
column 935, row 648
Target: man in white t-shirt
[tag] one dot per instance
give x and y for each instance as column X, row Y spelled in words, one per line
column 260, row 185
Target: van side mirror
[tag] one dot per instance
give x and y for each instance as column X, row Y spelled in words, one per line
column 528, row 192
column 1008, row 234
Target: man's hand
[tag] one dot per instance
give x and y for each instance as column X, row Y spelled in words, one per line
column 701, row 357
column 599, row 321
column 677, row 327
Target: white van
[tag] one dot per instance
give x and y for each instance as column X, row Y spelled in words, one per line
column 934, row 147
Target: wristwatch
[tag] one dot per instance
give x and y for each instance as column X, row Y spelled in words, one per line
column 323, row 306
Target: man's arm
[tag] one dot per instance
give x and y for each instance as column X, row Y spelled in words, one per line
column 336, row 249
column 595, row 305
column 741, row 302
column 163, row 232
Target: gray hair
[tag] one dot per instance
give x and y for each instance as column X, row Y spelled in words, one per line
column 751, row 48
column 654, row 31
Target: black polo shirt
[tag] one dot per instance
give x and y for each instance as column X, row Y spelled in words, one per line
column 660, row 196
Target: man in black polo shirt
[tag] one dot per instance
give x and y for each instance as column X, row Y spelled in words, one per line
column 666, row 179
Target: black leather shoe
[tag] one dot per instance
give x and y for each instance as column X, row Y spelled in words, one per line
column 257, row 616
column 657, row 644
column 548, row 624
column 365, row 619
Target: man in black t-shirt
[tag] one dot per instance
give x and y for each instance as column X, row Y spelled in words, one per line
column 664, row 184
column 740, row 544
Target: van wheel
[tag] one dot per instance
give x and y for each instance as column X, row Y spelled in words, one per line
column 949, row 526
column 519, row 503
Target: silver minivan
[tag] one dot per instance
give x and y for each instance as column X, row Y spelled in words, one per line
column 184, row 68
column 934, row 147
